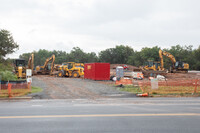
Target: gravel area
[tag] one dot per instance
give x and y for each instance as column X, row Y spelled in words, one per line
column 71, row 88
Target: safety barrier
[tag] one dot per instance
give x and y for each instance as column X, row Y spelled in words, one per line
column 124, row 82
column 14, row 89
column 191, row 86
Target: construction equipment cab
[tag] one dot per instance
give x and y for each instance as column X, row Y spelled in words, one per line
column 20, row 68
column 70, row 69
column 152, row 65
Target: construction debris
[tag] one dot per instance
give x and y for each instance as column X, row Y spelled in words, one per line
column 160, row 77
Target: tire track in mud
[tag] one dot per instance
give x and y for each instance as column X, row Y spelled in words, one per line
column 61, row 88
column 73, row 88
column 57, row 92
column 79, row 92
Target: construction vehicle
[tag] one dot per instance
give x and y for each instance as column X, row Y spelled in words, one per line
column 152, row 65
column 152, row 69
column 65, row 64
column 20, row 68
column 31, row 62
column 177, row 66
column 57, row 66
column 47, row 68
column 71, row 69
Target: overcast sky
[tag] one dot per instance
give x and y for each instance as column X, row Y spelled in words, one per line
column 94, row 25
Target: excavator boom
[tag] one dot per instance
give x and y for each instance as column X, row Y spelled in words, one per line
column 31, row 62
column 45, row 69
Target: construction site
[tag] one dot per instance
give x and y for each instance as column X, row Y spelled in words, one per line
column 99, row 66
column 71, row 80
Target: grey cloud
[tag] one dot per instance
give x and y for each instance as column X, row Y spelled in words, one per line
column 99, row 24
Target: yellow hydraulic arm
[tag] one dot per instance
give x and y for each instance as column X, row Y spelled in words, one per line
column 52, row 58
column 167, row 54
column 31, row 62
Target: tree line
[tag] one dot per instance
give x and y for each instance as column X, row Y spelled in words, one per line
column 120, row 54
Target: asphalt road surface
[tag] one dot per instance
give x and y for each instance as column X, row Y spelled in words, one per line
column 119, row 115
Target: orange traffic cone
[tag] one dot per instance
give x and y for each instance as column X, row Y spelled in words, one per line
column 143, row 95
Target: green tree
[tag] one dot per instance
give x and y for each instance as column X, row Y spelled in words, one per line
column 119, row 54
column 92, row 57
column 77, row 55
column 135, row 59
column 150, row 54
column 107, row 55
column 196, row 63
column 7, row 44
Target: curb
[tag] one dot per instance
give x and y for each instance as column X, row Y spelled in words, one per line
column 17, row 98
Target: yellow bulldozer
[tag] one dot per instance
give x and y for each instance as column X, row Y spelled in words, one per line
column 71, row 69
column 152, row 68
column 152, row 65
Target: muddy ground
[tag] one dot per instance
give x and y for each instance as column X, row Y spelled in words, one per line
column 72, row 88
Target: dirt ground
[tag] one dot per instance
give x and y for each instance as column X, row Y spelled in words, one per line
column 130, row 67
column 184, row 76
column 71, row 88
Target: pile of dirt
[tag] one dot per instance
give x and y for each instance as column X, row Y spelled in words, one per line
column 174, row 76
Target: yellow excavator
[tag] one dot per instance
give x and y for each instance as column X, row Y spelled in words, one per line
column 20, row 66
column 71, row 69
column 177, row 66
column 47, row 68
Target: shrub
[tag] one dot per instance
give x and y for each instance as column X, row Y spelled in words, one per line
column 7, row 75
column 5, row 66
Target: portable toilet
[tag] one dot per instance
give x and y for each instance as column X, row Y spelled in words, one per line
column 119, row 71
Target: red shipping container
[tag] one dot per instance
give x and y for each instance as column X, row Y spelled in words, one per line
column 97, row 71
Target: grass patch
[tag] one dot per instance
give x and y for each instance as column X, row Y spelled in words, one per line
column 36, row 89
column 131, row 88
column 19, row 92
column 172, row 91
column 163, row 91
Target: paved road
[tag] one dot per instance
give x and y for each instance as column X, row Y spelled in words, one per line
column 119, row 115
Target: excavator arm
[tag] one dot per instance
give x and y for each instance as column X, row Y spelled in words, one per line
column 31, row 62
column 161, row 59
column 167, row 54
column 52, row 63
column 52, row 58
